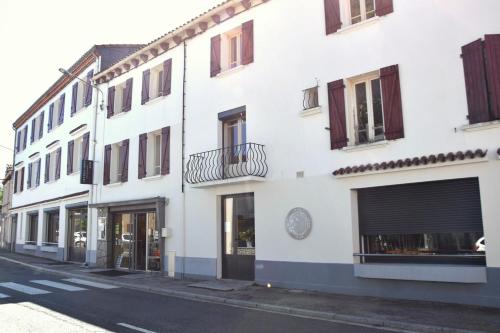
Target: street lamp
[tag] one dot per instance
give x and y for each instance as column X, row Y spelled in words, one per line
column 65, row 72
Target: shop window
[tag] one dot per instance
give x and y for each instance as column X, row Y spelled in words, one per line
column 51, row 230
column 32, row 229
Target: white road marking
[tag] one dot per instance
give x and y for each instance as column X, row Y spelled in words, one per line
column 135, row 328
column 58, row 285
column 24, row 289
column 3, row 296
column 91, row 283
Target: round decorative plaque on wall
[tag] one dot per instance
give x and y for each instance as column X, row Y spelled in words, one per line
column 298, row 223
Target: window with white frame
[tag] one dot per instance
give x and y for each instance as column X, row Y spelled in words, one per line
column 35, row 128
column 55, row 114
column 82, row 92
column 18, row 180
column 34, row 176
column 115, row 167
column 77, row 154
column 366, row 116
column 153, row 159
column 52, row 166
column 156, row 82
column 361, row 10
column 231, row 49
column 310, row 99
column 119, row 98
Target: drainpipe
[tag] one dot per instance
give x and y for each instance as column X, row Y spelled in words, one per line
column 183, row 160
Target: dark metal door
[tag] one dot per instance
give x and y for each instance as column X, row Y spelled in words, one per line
column 238, row 237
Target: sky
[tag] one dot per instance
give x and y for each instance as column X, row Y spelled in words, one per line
column 38, row 37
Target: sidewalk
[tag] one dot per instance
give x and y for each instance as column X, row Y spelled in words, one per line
column 405, row 315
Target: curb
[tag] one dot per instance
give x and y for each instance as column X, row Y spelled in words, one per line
column 291, row 311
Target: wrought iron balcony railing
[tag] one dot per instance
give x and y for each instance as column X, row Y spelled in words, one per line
column 248, row 159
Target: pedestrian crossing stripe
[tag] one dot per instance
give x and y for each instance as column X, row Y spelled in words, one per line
column 58, row 285
column 24, row 289
column 91, row 283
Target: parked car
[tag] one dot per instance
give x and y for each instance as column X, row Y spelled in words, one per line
column 480, row 245
column 80, row 238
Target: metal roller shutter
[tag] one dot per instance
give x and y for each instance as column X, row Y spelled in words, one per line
column 432, row 207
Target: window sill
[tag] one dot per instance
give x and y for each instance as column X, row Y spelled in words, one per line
column 310, row 111
column 114, row 184
column 352, row 27
column 118, row 115
column 151, row 178
column 366, row 146
column 481, row 126
column 155, row 100
column 420, row 272
column 229, row 71
column 49, row 247
column 74, row 173
column 29, row 247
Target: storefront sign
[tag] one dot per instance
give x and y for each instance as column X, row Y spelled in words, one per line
column 298, row 223
column 87, row 172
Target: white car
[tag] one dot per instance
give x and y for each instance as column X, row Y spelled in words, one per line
column 480, row 245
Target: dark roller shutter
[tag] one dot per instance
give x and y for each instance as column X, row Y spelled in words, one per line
column 475, row 82
column 47, row 168
column 165, row 150
column 332, row 16
column 432, row 207
column 215, row 47
column 247, row 43
column 391, row 100
column 85, row 146
column 145, row 86
column 143, row 146
column 128, row 95
column 336, row 107
column 167, row 77
column 58, row 163
column 383, row 7
column 492, row 54
column 69, row 161
column 107, row 165
column 111, row 101
column 124, row 160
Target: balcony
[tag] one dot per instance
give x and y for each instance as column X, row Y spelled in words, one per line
column 236, row 164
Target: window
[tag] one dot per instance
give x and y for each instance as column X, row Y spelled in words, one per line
column 53, row 165
column 234, row 138
column 231, row 47
column 51, row 232
column 37, row 128
column 119, row 98
column 116, row 162
column 19, row 180
column 32, row 229
column 310, row 100
column 116, row 157
column 156, row 82
column 77, row 154
column 34, row 174
column 154, row 151
column 367, row 114
column 361, row 10
column 156, row 167
column 22, row 139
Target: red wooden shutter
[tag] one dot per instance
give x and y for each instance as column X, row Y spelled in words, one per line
column 475, row 82
column 492, row 53
column 111, row 102
column 336, row 102
column 165, row 150
column 215, row 56
column 391, row 103
column 128, row 95
column 167, row 77
column 383, row 7
column 124, row 160
column 58, row 163
column 47, row 168
column 21, row 186
column 145, row 86
column 332, row 16
column 85, row 146
column 247, row 43
column 69, row 161
column 143, row 146
column 107, row 165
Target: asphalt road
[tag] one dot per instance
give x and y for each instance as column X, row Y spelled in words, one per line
column 58, row 305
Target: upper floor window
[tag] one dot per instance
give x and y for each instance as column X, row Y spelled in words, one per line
column 78, row 150
column 310, row 100
column 81, row 94
column 342, row 13
column 373, row 110
column 156, row 81
column 22, row 139
column 37, row 127
column 481, row 61
column 154, row 153
column 120, row 98
column 234, row 138
column 19, row 180
column 56, row 113
column 232, row 49
column 34, row 174
column 53, row 166
column 116, row 162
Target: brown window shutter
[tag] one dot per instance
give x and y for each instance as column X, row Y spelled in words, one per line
column 167, row 77
column 143, row 148
column 85, row 146
column 247, row 43
column 111, row 102
column 336, row 102
column 58, row 163
column 215, row 46
column 391, row 103
column 165, row 150
column 16, row 173
column 332, row 16
column 69, row 161
column 128, row 95
column 21, row 187
column 475, row 82
column 124, row 160
column 492, row 53
column 107, row 165
column 145, row 86
column 47, row 168
column 383, row 7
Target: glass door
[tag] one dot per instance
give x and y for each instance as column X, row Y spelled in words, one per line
column 77, row 234
column 123, row 241
column 152, row 244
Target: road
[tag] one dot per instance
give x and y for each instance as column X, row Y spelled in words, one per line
column 32, row 301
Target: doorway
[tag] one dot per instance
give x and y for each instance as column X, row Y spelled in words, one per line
column 77, row 234
column 136, row 242
column 238, row 237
